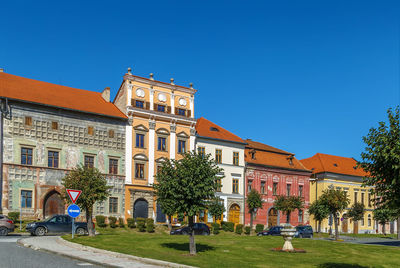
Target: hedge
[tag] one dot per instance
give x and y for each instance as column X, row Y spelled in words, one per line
column 121, row 223
column 259, row 228
column 239, row 229
column 131, row 223
column 215, row 228
column 101, row 221
column 141, row 224
column 230, row 226
column 14, row 216
column 112, row 221
column 247, row 230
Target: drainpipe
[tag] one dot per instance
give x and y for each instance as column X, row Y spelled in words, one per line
column 244, row 194
column 5, row 111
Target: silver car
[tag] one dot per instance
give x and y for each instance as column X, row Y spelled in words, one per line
column 6, row 225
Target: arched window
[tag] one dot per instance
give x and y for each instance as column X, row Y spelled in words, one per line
column 369, row 220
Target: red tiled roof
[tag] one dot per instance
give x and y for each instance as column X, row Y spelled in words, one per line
column 331, row 163
column 20, row 88
column 270, row 156
column 206, row 128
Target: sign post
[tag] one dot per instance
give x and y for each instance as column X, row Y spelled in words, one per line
column 73, row 210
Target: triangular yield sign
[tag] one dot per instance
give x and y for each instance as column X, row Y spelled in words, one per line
column 74, row 194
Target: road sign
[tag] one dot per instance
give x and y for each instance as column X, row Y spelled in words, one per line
column 73, row 210
column 74, row 194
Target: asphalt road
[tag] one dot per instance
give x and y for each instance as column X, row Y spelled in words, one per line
column 13, row 255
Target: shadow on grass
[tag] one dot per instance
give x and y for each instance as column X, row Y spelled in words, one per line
column 339, row 265
column 185, row 247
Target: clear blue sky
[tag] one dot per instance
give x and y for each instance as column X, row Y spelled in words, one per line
column 303, row 76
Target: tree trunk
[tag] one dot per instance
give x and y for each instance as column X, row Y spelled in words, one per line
column 319, row 227
column 288, row 217
column 192, row 244
column 355, row 227
column 398, row 227
column 89, row 221
column 251, row 221
column 336, row 222
column 169, row 223
column 384, row 229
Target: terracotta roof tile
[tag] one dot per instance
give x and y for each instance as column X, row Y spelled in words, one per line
column 206, row 128
column 20, row 88
column 320, row 163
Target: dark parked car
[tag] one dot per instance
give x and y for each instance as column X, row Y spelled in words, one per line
column 56, row 225
column 6, row 225
column 199, row 229
column 274, row 230
column 304, row 231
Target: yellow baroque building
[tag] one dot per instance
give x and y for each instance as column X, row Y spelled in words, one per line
column 340, row 173
column 161, row 126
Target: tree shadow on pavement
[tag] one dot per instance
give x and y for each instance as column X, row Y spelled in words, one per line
column 185, row 246
column 339, row 265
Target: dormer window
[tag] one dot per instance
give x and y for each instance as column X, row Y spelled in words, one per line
column 253, row 154
column 290, row 158
column 335, row 165
column 214, row 129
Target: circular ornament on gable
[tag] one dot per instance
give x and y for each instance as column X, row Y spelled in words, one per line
column 140, row 92
column 182, row 102
column 162, row 97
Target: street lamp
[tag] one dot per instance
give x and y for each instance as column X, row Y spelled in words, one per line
column 5, row 111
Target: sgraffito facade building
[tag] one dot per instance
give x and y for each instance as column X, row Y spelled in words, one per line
column 161, row 126
column 273, row 172
column 52, row 129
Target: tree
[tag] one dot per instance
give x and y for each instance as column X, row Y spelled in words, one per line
column 384, row 215
column 288, row 204
column 254, row 202
column 187, row 184
column 381, row 160
column 216, row 208
column 336, row 201
column 93, row 186
column 320, row 212
column 356, row 213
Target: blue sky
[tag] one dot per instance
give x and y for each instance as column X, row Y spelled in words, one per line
column 303, row 76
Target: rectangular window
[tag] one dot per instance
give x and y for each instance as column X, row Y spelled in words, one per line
column 54, row 125
column 355, row 197
column 249, row 183
column 362, row 198
column 161, row 108
column 52, row 157
column 300, row 216
column 90, row 130
column 219, row 182
column 139, row 140
column 28, row 121
column 201, row 151
column 262, row 188
column 236, row 158
column 181, row 112
column 89, row 161
column 288, row 189
column 181, row 146
column 139, row 104
column 113, row 166
column 369, row 200
column 362, row 221
column 300, row 190
column 369, row 220
column 275, row 188
column 26, row 199
column 218, row 156
column 235, row 186
column 26, row 156
column 162, row 144
column 111, row 133
column 113, row 205
column 139, row 171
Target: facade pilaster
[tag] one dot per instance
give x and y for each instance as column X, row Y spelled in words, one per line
column 152, row 126
column 192, row 106
column 172, row 141
column 151, row 98
column 128, row 152
column 192, row 139
column 172, row 103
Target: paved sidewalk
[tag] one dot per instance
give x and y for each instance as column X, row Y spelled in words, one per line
column 57, row 245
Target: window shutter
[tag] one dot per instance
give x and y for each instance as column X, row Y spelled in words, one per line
column 169, row 109
column 189, row 113
column 147, row 105
column 132, row 102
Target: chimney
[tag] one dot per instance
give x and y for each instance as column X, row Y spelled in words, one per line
column 1, row 70
column 106, row 94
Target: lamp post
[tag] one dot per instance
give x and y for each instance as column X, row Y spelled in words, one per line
column 5, row 112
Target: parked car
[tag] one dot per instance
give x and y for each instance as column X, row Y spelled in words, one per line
column 199, row 229
column 304, row 231
column 6, row 225
column 274, row 230
column 57, row 224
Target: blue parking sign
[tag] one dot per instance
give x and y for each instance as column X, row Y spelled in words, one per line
column 73, row 210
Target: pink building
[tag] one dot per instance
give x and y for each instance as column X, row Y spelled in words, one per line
column 273, row 172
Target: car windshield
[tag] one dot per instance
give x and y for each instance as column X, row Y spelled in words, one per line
column 50, row 219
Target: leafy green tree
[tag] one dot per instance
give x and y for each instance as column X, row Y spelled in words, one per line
column 381, row 160
column 216, row 208
column 288, row 204
column 254, row 202
column 320, row 212
column 384, row 215
column 336, row 201
column 93, row 186
column 187, row 184
column 356, row 213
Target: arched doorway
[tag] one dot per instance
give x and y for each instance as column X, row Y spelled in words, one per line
column 141, row 209
column 272, row 217
column 53, row 204
column 160, row 215
column 234, row 214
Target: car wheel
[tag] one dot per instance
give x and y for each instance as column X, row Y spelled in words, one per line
column 40, row 231
column 259, row 234
column 311, row 236
column 300, row 236
column 206, row 233
column 80, row 231
column 3, row 231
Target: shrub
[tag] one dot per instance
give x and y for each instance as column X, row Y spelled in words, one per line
column 131, row 223
column 247, row 230
column 150, row 227
column 239, row 229
column 223, row 226
column 14, row 216
column 149, row 220
column 183, row 223
column 259, row 228
column 121, row 223
column 215, row 228
column 113, row 222
column 230, row 226
column 101, row 221
column 141, row 224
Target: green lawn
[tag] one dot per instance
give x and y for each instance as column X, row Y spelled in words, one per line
column 231, row 250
